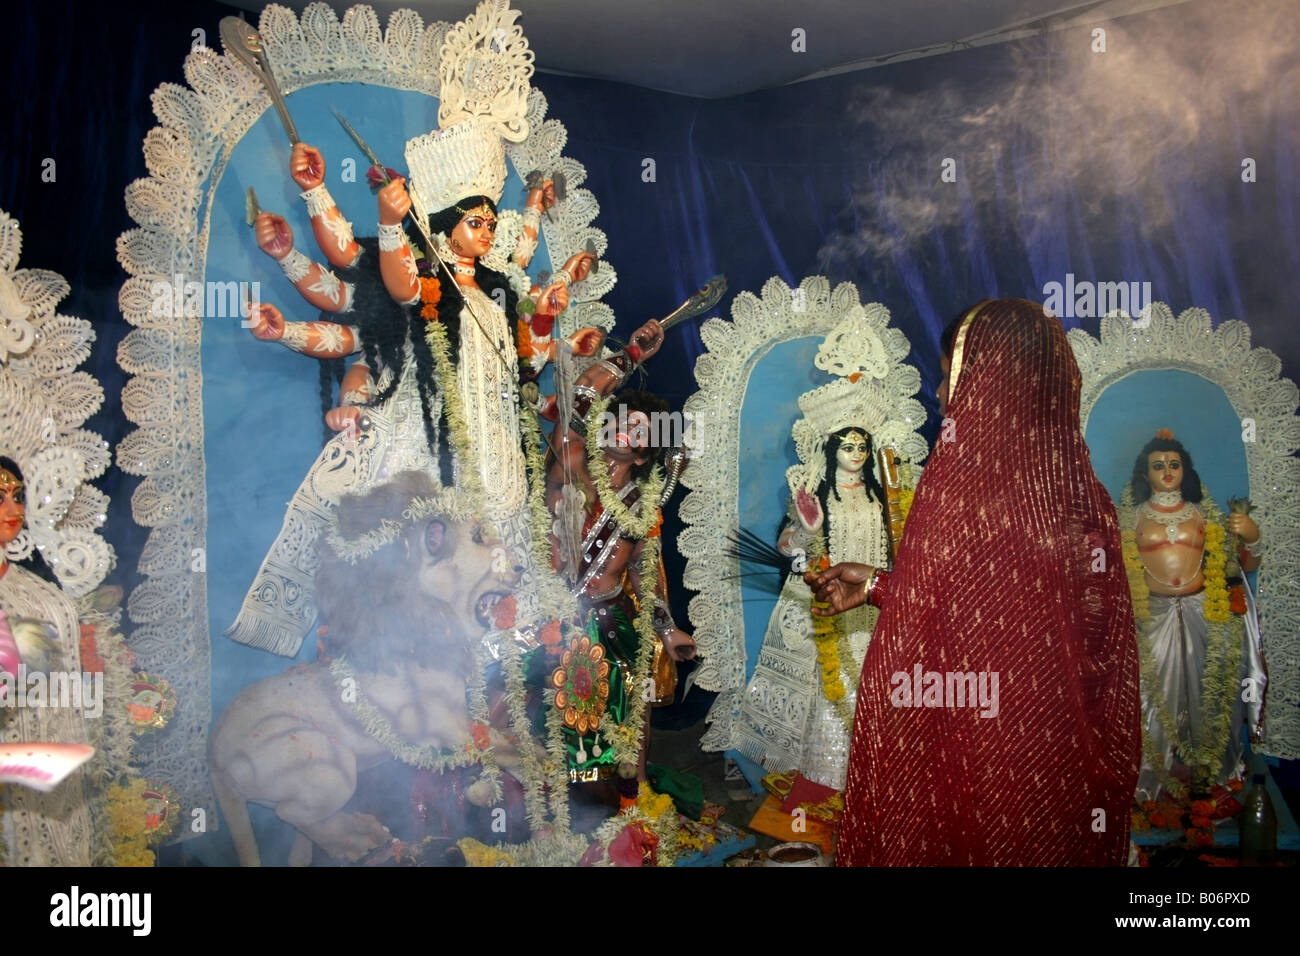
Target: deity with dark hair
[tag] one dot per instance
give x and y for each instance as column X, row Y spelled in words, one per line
column 797, row 711
column 435, row 387
column 39, row 636
column 1198, row 635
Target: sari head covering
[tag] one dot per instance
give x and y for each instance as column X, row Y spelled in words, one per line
column 1010, row 570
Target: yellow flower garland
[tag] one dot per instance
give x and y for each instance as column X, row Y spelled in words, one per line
column 831, row 641
column 829, row 638
column 127, row 818
column 1222, row 666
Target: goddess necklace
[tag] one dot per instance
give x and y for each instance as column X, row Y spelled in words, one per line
column 1151, row 511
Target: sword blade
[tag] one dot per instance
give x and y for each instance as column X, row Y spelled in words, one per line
column 697, row 304
column 364, row 146
column 244, row 43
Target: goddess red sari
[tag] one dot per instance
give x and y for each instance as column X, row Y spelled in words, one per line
column 1010, row 565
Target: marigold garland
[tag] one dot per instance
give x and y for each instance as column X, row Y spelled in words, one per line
column 831, row 644
column 1222, row 666
column 130, row 836
column 430, row 296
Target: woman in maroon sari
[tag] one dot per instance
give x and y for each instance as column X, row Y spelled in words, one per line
column 998, row 717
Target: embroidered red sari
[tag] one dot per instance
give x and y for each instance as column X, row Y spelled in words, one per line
column 1010, row 565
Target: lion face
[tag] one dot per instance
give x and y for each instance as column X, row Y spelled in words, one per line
column 464, row 565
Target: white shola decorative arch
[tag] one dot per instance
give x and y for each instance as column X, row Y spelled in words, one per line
column 1251, row 381
column 710, row 512
column 199, row 127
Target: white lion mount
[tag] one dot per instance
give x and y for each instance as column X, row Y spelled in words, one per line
column 710, row 512
column 1252, row 383
column 44, row 400
column 187, row 153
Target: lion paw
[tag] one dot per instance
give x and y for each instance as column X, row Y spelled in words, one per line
column 350, row 836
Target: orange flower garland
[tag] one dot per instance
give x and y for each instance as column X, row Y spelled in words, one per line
column 430, row 296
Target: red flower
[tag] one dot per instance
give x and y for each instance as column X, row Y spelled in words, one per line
column 430, row 296
column 481, row 735
column 550, row 635
column 91, row 662
column 376, row 179
column 542, row 324
column 503, row 613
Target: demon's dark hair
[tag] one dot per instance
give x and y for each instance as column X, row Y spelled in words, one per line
column 649, row 405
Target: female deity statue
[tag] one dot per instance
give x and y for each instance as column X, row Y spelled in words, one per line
column 1202, row 659
column 40, row 829
column 797, row 712
column 436, row 388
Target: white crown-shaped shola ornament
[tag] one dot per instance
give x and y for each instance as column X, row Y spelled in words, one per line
column 854, row 351
column 43, row 398
column 485, row 68
column 827, row 409
column 853, row 348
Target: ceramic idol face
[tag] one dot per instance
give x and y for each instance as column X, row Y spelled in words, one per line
column 474, row 234
column 851, row 456
column 11, row 507
column 1165, row 471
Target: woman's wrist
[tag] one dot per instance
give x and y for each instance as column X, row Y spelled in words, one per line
column 876, row 586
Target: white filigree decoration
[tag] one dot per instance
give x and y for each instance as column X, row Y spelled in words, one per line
column 853, row 347
column 43, row 401
column 710, row 512
column 1251, row 381
column 486, row 66
column 186, row 154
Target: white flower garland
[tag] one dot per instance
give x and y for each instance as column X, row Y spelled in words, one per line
column 439, row 759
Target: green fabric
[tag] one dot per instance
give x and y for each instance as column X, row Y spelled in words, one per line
column 686, row 789
column 621, row 654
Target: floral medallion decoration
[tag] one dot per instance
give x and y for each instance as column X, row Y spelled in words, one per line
column 152, row 703
column 144, row 812
column 582, row 685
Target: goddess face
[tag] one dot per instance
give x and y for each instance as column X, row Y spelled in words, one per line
column 474, row 234
column 851, row 456
column 1165, row 471
column 11, row 507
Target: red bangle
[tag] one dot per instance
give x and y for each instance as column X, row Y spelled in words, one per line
column 876, row 587
column 634, row 353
